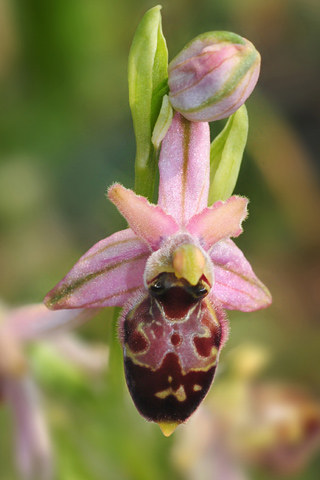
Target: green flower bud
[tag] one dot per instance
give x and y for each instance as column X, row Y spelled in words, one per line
column 213, row 76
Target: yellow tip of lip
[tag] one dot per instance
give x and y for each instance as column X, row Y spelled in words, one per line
column 168, row 427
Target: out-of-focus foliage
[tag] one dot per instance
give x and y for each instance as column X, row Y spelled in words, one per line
column 247, row 423
column 66, row 134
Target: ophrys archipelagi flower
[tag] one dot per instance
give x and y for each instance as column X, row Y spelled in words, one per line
column 174, row 271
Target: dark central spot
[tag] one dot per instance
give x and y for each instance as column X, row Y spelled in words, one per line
column 176, row 339
column 137, row 342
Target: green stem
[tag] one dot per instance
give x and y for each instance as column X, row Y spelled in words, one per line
column 145, row 176
column 115, row 371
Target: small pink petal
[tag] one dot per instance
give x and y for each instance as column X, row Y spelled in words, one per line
column 105, row 276
column 236, row 285
column 34, row 321
column 149, row 222
column 222, row 220
column 184, row 167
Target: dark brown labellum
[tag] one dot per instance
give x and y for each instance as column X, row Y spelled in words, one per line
column 171, row 345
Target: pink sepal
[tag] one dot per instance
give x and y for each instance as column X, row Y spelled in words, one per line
column 236, row 285
column 105, row 276
column 184, row 169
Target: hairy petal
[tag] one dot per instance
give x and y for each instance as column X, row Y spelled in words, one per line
column 236, row 285
column 184, row 167
column 33, row 449
column 104, row 276
column 149, row 222
column 222, row 220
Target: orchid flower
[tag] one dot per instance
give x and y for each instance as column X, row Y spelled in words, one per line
column 17, row 387
column 174, row 270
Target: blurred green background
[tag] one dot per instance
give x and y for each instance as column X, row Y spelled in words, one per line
column 66, row 134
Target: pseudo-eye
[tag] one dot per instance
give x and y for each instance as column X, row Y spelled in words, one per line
column 171, row 340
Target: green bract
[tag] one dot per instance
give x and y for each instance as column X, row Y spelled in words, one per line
column 163, row 122
column 226, row 156
column 147, row 73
